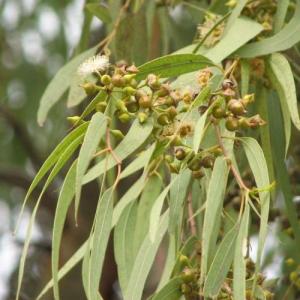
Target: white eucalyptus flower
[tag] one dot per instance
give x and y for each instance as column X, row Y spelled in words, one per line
column 93, row 64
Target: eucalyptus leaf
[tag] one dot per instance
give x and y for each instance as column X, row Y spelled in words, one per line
column 171, row 291
column 100, row 11
column 60, row 83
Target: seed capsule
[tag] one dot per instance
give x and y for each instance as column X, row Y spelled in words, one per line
column 145, row 101
column 163, row 119
column 198, row 174
column 164, row 90
column 207, row 161
column 218, row 112
column 194, row 164
column 232, row 124
column 153, row 82
column 228, row 84
column 172, row 112
column 180, row 153
column 101, row 107
column 236, row 107
column 118, row 80
column 188, row 276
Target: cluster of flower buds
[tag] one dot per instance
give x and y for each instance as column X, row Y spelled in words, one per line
column 233, row 110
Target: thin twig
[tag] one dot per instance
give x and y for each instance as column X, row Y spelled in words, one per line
column 232, row 167
column 105, row 43
column 115, row 157
column 191, row 215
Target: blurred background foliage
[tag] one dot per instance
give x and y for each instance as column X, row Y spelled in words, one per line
column 37, row 38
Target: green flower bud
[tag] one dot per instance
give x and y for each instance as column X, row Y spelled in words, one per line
column 105, row 79
column 194, row 164
column 163, row 119
column 142, row 117
column 128, row 90
column 188, row 276
column 90, row 88
column 218, row 112
column 172, row 112
column 153, row 82
column 75, row 120
column 120, row 104
column 101, row 106
column 124, row 117
column 128, row 78
column 117, row 133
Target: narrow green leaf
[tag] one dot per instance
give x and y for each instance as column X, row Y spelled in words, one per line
column 282, row 8
column 60, row 83
column 141, row 161
column 144, row 261
column 171, row 291
column 234, row 15
column 259, row 169
column 169, row 263
column 283, row 40
column 65, row 198
column 239, row 265
column 123, row 243
column 178, row 194
column 50, row 161
column 262, row 103
column 150, row 193
column 58, row 166
column 133, row 192
column 221, row 263
column 282, row 176
column 99, row 11
column 103, row 220
column 136, row 136
column 199, row 131
column 245, row 76
column 202, row 97
column 283, row 81
column 156, row 211
column 174, row 65
column 213, row 209
column 95, row 131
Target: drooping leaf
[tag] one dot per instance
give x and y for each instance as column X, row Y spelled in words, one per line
column 100, row 11
column 169, row 263
column 51, row 160
column 174, row 65
column 239, row 265
column 259, row 169
column 283, row 40
column 213, row 209
column 282, row 8
column 136, row 136
column 103, row 221
column 95, row 131
column 199, row 131
column 234, row 15
column 150, row 193
column 65, row 198
column 144, row 261
column 60, row 83
column 283, row 81
column 178, row 194
column 221, row 263
column 123, row 243
column 171, row 291
column 58, row 166
column 282, row 176
column 245, row 76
